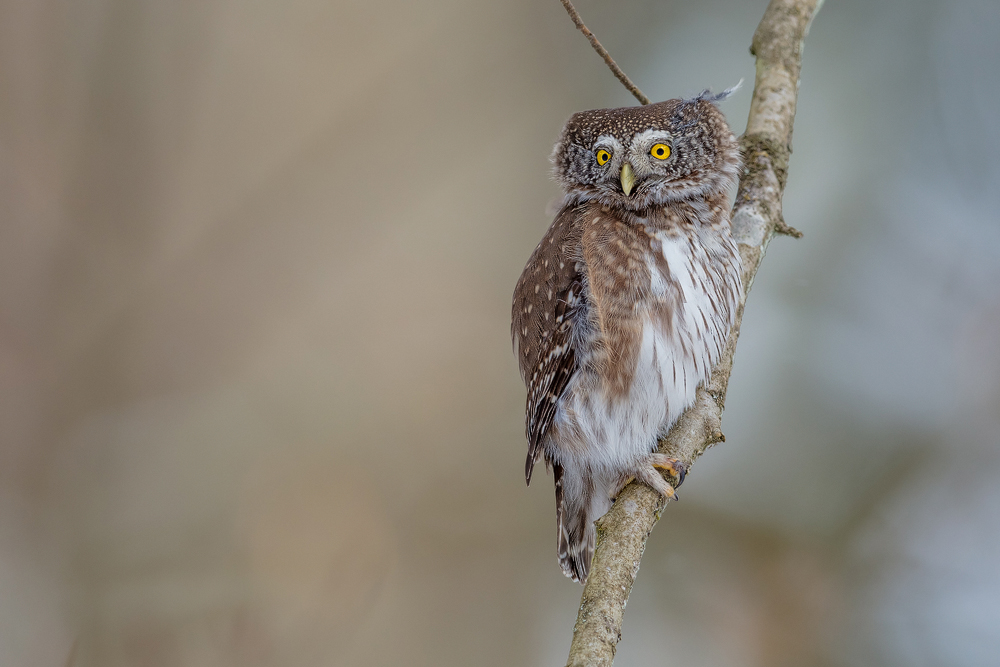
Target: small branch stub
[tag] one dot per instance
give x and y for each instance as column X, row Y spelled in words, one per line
column 766, row 146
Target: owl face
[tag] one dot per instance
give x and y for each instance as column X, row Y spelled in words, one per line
column 638, row 157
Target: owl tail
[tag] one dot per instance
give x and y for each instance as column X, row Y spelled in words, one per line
column 579, row 502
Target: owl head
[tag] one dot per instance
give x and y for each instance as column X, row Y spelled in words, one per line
column 639, row 157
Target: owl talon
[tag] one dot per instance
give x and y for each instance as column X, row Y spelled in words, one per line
column 650, row 476
column 674, row 467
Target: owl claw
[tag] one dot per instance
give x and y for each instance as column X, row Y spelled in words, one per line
column 650, row 476
column 674, row 467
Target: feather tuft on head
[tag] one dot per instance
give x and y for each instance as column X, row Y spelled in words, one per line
column 715, row 99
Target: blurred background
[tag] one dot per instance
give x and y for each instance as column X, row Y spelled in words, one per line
column 258, row 401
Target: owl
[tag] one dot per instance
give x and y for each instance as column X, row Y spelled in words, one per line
column 626, row 304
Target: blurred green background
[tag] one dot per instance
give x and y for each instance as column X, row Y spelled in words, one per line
column 258, row 399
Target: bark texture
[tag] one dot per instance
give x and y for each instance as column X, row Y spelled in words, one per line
column 766, row 145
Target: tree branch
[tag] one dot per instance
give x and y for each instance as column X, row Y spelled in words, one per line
column 766, row 146
column 601, row 51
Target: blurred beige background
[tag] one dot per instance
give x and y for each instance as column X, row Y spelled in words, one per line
column 258, row 401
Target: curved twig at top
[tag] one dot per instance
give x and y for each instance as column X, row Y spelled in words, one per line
column 603, row 52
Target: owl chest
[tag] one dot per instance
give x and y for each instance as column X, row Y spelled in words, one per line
column 668, row 328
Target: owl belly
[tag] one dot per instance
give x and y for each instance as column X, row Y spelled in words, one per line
column 611, row 433
column 684, row 317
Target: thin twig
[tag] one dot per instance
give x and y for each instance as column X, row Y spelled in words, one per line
column 766, row 146
column 603, row 52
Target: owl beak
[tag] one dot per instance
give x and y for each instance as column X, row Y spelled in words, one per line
column 628, row 178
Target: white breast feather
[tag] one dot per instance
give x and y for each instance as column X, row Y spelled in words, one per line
column 619, row 434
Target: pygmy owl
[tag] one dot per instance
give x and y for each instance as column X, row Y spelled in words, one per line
column 627, row 302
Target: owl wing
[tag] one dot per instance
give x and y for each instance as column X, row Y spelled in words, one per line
column 547, row 304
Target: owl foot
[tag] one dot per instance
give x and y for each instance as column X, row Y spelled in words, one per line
column 674, row 467
column 650, row 475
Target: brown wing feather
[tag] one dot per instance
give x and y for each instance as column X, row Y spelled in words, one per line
column 552, row 377
column 547, row 301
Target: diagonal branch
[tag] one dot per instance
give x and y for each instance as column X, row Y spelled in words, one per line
column 766, row 146
column 603, row 52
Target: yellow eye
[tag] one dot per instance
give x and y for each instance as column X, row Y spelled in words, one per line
column 660, row 151
column 603, row 156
